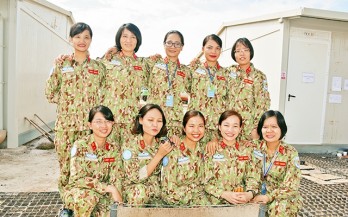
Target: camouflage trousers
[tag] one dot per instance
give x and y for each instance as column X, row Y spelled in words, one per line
column 142, row 194
column 63, row 142
column 85, row 202
column 284, row 208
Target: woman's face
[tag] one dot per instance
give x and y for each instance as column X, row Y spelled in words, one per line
column 242, row 54
column 212, row 51
column 194, row 128
column 128, row 41
column 271, row 132
column 100, row 126
column 152, row 122
column 173, row 51
column 230, row 128
column 82, row 41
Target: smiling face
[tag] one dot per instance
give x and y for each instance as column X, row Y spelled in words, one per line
column 173, row 52
column 242, row 54
column 128, row 41
column 82, row 41
column 212, row 51
column 152, row 122
column 271, row 131
column 230, row 128
column 194, row 128
column 100, row 127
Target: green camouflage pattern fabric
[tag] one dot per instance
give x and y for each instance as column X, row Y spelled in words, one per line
column 182, row 177
column 75, row 89
column 63, row 141
column 211, row 107
column 282, row 181
column 124, row 79
column 92, row 170
column 180, row 79
column 249, row 96
column 231, row 167
column 139, row 191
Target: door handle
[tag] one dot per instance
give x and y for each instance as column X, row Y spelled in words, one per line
column 291, row 96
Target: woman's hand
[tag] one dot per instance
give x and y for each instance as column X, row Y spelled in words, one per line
column 116, row 196
column 164, row 149
column 236, row 197
column 260, row 199
column 175, row 140
column 111, row 51
column 212, row 146
column 61, row 58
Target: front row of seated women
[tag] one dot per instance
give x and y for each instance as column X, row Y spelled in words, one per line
column 148, row 168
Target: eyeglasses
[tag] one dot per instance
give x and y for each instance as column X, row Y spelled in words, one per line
column 170, row 43
column 242, row 51
column 103, row 122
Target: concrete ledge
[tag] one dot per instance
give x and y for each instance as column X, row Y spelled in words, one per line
column 321, row 149
column 247, row 210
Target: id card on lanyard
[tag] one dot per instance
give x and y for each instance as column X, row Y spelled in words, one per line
column 211, row 88
column 265, row 172
column 170, row 97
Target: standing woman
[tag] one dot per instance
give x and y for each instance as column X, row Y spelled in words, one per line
column 126, row 75
column 142, row 154
column 230, row 175
column 74, row 85
column 249, row 89
column 182, row 172
column 209, row 93
column 170, row 82
column 96, row 169
column 280, row 166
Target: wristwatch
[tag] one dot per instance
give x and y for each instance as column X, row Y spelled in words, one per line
column 253, row 192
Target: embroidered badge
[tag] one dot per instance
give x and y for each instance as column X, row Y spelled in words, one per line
column 73, row 151
column 137, row 68
column 182, row 74
column 116, row 62
column 109, row 159
column 280, row 163
column 218, row 157
column 127, row 154
column 91, row 157
column 201, row 71
column 144, row 155
column 258, row 154
column 248, row 81
column 161, row 66
column 297, row 162
column 221, row 78
column 67, row 69
column 233, row 75
column 183, row 160
column 243, row 158
column 165, row 161
column 265, row 86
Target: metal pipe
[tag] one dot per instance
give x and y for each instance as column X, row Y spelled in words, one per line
column 43, row 122
column 40, row 129
column 1, row 73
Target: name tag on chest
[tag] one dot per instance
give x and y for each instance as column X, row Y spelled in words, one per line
column 91, row 157
column 144, row 156
column 183, row 160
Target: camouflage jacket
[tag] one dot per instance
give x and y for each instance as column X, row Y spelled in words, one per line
column 249, row 95
column 231, row 167
column 160, row 86
column 283, row 179
column 75, row 89
column 204, row 77
column 182, row 176
column 135, row 156
column 124, row 79
column 94, row 168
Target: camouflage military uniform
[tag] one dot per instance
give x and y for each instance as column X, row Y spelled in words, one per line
column 204, row 77
column 75, row 89
column 124, row 79
column 182, row 177
column 138, row 188
column 231, row 167
column 161, row 87
column 92, row 170
column 282, row 180
column 248, row 96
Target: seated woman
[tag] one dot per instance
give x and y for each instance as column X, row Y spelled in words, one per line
column 95, row 168
column 280, row 166
column 142, row 154
column 182, row 173
column 230, row 175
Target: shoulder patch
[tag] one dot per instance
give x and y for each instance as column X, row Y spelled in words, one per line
column 165, row 161
column 127, row 154
column 296, row 161
column 73, row 151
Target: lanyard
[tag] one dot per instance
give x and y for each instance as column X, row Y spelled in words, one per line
column 265, row 171
column 170, row 83
column 210, row 75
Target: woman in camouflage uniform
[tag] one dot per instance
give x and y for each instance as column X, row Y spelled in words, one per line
column 209, row 92
column 280, row 166
column 96, row 169
column 142, row 153
column 182, row 172
column 248, row 88
column 170, row 82
column 126, row 75
column 230, row 175
column 74, row 85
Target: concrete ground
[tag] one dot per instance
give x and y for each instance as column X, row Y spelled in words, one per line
column 28, row 184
